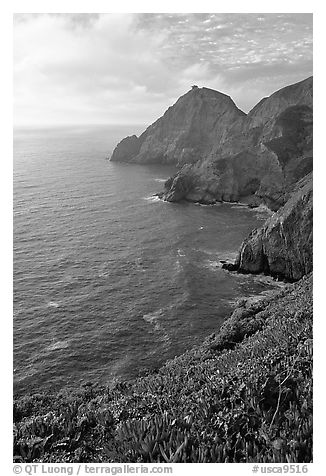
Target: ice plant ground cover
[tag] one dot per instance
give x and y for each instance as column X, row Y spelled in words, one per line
column 245, row 395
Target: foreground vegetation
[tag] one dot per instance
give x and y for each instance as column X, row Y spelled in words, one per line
column 245, row 395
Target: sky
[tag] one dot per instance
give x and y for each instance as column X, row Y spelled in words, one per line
column 129, row 68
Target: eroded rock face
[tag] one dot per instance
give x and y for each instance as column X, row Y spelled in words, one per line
column 263, row 154
column 186, row 132
column 283, row 246
column 179, row 186
column 226, row 155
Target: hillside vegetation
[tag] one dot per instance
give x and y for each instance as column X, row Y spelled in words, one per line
column 244, row 395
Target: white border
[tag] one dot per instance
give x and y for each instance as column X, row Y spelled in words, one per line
column 95, row 6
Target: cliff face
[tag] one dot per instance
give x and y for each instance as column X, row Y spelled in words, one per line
column 186, row 132
column 224, row 154
column 283, row 246
column 258, row 126
column 260, row 157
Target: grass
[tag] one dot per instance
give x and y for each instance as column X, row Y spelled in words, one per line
column 244, row 395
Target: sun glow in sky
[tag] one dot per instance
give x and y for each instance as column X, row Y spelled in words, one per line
column 128, row 68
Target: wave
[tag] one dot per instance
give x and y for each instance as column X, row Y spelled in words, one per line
column 17, row 310
column 153, row 199
column 262, row 209
column 270, row 283
column 217, row 204
column 153, row 318
column 268, row 280
column 29, row 371
column 212, row 265
column 235, row 204
column 27, row 186
column 239, row 205
column 140, row 264
column 58, row 345
column 180, row 260
column 221, row 256
column 105, row 270
column 178, row 266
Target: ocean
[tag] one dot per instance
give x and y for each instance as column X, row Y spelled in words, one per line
column 109, row 281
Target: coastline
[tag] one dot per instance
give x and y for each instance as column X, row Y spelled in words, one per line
column 253, row 376
column 150, row 334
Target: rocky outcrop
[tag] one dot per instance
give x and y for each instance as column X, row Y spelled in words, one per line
column 261, row 156
column 258, row 126
column 283, row 246
column 179, row 186
column 128, row 147
column 226, row 179
column 187, row 132
column 224, row 154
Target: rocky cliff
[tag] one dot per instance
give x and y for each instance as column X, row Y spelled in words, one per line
column 259, row 159
column 224, row 154
column 186, row 133
column 283, row 246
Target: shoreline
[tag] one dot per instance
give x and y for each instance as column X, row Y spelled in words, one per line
column 274, row 286
column 189, row 390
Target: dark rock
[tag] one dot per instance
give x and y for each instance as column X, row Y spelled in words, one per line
column 295, row 129
column 254, row 201
column 230, row 266
column 250, row 316
column 179, row 186
column 283, row 246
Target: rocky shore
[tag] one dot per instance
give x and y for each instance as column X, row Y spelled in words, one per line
column 283, row 246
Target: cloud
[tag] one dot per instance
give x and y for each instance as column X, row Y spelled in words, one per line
column 128, row 68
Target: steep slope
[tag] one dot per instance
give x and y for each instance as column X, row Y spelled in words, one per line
column 258, row 126
column 243, row 396
column 224, row 154
column 283, row 246
column 185, row 133
column 263, row 153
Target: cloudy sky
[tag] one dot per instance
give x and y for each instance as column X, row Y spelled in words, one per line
column 128, row 68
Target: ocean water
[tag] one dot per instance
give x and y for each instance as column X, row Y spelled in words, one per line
column 109, row 280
